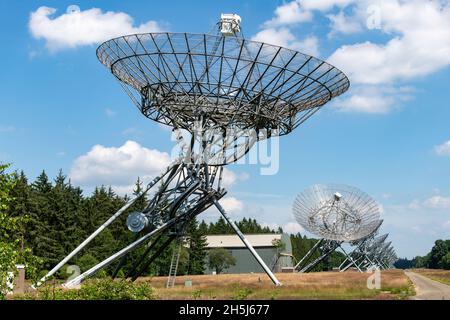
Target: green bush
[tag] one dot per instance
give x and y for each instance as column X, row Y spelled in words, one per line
column 86, row 261
column 445, row 262
column 96, row 289
column 62, row 273
column 197, row 294
column 242, row 293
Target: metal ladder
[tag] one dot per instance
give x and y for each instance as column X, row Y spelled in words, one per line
column 174, row 265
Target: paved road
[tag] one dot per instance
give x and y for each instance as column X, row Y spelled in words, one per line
column 427, row 289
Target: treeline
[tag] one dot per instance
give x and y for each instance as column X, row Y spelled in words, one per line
column 247, row 226
column 57, row 216
column 437, row 258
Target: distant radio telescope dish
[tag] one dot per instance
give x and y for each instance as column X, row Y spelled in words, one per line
column 337, row 212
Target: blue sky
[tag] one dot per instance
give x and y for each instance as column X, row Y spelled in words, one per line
column 387, row 135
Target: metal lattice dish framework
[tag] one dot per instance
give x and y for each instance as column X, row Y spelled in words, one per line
column 369, row 237
column 224, row 82
column 337, row 212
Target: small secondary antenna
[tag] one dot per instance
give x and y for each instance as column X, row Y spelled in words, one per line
column 230, row 24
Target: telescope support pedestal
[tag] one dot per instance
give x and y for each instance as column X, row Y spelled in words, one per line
column 188, row 190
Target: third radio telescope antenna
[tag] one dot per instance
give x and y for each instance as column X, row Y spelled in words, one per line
column 337, row 214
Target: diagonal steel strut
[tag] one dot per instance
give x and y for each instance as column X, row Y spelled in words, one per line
column 247, row 243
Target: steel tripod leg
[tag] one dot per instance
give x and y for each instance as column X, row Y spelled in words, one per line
column 330, row 250
column 152, row 258
column 378, row 263
column 247, row 244
column 365, row 263
column 308, row 254
column 150, row 247
column 101, row 228
column 342, row 264
column 350, row 258
column 122, row 261
column 354, row 262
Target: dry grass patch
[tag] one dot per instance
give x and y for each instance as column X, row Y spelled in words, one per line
column 316, row 285
column 440, row 275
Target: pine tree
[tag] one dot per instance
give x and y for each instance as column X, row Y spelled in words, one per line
column 74, row 229
column 203, row 228
column 64, row 205
column 20, row 206
column 220, row 227
column 140, row 203
column 96, row 210
column 46, row 243
column 42, row 183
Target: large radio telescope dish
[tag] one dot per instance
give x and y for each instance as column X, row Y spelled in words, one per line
column 224, row 83
column 337, row 212
column 227, row 93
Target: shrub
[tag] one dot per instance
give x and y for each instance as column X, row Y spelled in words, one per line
column 86, row 261
column 242, row 293
column 96, row 289
column 197, row 294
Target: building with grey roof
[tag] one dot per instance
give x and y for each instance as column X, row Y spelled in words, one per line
column 274, row 249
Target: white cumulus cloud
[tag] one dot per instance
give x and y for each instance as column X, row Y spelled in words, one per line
column 80, row 28
column 283, row 37
column 230, row 178
column 340, row 23
column 443, row 149
column 300, row 11
column 373, row 99
column 289, row 13
column 324, row 5
column 293, row 228
column 415, row 205
column 271, row 225
column 419, row 45
column 438, row 202
column 232, row 205
column 118, row 166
